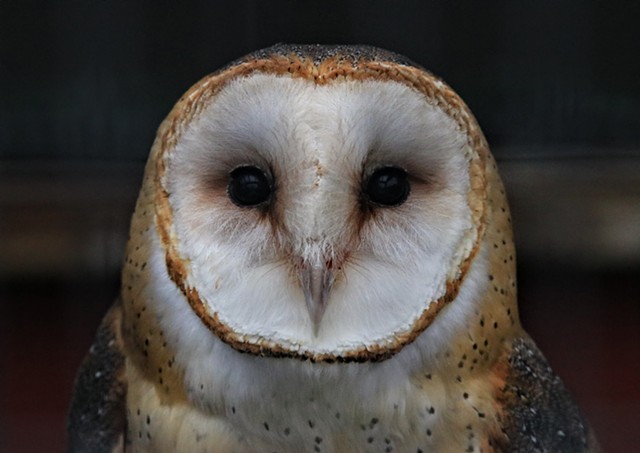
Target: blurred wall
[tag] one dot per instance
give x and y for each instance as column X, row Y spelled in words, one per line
column 92, row 80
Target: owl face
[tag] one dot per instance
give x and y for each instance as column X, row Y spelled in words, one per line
column 329, row 220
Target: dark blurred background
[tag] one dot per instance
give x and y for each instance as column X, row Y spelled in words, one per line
column 84, row 85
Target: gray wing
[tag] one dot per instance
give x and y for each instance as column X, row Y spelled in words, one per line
column 97, row 413
column 539, row 413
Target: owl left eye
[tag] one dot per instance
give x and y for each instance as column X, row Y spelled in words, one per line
column 388, row 186
column 249, row 186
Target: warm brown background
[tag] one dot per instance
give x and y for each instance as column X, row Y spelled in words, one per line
column 83, row 86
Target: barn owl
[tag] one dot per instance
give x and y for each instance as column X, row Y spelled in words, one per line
column 320, row 260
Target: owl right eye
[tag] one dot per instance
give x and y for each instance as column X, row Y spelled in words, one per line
column 249, row 186
column 388, row 186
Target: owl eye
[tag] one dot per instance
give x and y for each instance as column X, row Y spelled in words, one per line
column 249, row 186
column 388, row 186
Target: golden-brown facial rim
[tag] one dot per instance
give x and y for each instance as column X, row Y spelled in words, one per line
column 328, row 70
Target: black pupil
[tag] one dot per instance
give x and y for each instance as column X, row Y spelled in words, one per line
column 249, row 186
column 388, row 186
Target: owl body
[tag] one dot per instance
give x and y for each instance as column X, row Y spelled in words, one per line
column 320, row 259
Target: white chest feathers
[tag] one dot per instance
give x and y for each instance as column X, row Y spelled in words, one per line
column 316, row 414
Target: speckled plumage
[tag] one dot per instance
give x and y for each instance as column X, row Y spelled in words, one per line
column 457, row 374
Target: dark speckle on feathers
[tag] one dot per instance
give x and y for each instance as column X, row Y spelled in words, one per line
column 319, row 53
column 97, row 414
column 538, row 407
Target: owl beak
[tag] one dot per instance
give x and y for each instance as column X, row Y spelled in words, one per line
column 316, row 285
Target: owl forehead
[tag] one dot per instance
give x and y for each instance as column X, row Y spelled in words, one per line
column 294, row 123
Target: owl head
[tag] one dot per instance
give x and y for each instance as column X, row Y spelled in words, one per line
column 317, row 202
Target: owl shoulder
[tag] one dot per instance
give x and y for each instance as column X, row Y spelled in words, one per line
column 538, row 413
column 97, row 414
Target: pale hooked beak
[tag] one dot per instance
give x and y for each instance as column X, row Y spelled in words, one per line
column 316, row 284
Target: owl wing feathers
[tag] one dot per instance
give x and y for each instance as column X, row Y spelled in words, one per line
column 97, row 415
column 538, row 412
